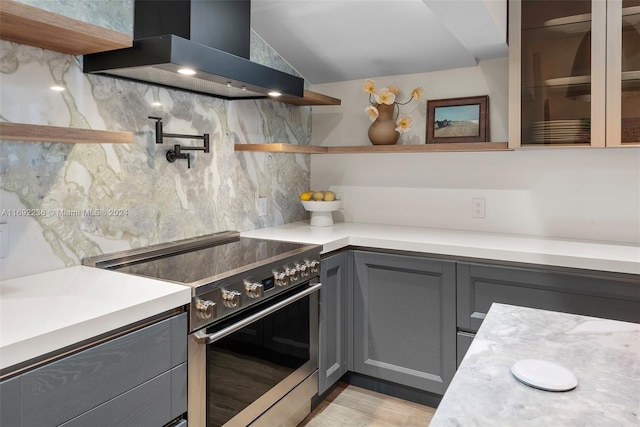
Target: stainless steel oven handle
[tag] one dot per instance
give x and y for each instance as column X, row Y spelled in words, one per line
column 203, row 338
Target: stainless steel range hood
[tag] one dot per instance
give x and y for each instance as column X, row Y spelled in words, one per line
column 210, row 37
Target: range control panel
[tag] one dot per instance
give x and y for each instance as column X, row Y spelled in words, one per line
column 243, row 290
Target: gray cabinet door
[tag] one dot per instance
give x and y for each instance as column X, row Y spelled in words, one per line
column 332, row 360
column 613, row 296
column 404, row 319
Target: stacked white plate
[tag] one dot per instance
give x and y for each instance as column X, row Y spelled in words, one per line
column 559, row 131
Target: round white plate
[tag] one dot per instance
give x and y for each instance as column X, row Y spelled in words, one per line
column 544, row 375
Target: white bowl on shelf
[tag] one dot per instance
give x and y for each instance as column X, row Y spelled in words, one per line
column 321, row 212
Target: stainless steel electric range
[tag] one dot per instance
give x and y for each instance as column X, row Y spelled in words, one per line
column 253, row 323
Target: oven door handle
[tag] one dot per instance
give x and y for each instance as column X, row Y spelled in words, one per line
column 203, row 338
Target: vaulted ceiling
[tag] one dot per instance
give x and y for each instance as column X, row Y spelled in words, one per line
column 329, row 41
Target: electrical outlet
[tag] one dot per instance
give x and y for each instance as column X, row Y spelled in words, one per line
column 477, row 208
column 4, row 240
column 262, row 206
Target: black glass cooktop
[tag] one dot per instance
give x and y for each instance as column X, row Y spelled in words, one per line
column 195, row 265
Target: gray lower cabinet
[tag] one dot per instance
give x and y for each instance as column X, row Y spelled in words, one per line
column 10, row 402
column 607, row 295
column 463, row 342
column 137, row 379
column 611, row 296
column 332, row 362
column 404, row 325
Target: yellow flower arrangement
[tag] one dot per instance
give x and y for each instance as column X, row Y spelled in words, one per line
column 388, row 95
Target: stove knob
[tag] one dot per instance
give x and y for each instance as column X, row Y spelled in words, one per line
column 280, row 278
column 253, row 289
column 231, row 299
column 293, row 273
column 313, row 265
column 304, row 269
column 205, row 309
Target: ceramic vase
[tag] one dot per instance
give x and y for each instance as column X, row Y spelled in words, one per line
column 383, row 130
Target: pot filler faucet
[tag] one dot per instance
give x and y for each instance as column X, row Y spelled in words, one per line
column 177, row 152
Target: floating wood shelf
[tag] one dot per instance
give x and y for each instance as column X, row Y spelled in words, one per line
column 32, row 26
column 311, row 98
column 278, row 147
column 423, row 148
column 24, row 24
column 41, row 133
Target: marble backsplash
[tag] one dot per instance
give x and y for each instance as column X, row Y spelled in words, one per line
column 50, row 192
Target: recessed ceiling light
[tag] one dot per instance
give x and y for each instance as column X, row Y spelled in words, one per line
column 274, row 93
column 228, row 84
column 156, row 104
column 243, row 88
column 57, row 88
column 187, row 71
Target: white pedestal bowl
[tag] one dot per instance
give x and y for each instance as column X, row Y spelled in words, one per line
column 321, row 212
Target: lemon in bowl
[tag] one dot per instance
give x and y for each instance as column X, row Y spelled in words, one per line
column 306, row 196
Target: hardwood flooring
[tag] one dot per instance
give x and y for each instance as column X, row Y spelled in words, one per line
column 350, row 406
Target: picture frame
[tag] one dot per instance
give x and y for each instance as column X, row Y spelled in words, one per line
column 463, row 119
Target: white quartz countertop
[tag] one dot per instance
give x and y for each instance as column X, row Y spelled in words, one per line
column 48, row 311
column 501, row 247
column 604, row 355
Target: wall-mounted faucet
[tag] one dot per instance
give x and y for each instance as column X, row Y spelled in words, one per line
column 177, row 152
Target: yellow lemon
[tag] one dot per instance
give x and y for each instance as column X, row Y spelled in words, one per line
column 305, row 196
column 318, row 196
column 329, row 196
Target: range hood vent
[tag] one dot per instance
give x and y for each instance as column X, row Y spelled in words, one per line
column 210, row 37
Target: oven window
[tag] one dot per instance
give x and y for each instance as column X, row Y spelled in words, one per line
column 248, row 363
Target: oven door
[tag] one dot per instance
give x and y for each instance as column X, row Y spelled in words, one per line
column 242, row 367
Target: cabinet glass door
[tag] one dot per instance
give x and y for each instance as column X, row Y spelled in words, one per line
column 556, row 72
column 630, row 100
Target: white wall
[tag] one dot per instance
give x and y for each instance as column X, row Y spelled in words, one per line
column 347, row 124
column 586, row 194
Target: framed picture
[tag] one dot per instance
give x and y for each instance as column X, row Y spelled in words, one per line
column 458, row 120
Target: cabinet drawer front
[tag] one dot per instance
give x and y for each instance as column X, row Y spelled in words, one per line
column 478, row 286
column 59, row 391
column 463, row 342
column 10, row 402
column 149, row 404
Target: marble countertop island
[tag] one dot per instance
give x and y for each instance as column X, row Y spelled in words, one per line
column 604, row 355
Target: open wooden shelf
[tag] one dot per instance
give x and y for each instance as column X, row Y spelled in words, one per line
column 42, row 133
column 32, row 26
column 24, row 24
column 311, row 98
column 423, row 148
column 279, row 147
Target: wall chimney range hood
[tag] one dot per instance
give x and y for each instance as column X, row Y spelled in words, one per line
column 210, row 37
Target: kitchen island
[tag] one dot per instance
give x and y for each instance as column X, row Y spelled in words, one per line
column 604, row 355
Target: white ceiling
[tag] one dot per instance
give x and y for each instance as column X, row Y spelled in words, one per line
column 329, row 40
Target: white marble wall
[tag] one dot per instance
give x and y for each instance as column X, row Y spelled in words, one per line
column 155, row 201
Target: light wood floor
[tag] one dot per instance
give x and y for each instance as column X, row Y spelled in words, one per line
column 350, row 406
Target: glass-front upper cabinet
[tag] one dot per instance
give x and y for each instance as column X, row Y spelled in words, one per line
column 623, row 37
column 563, row 77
